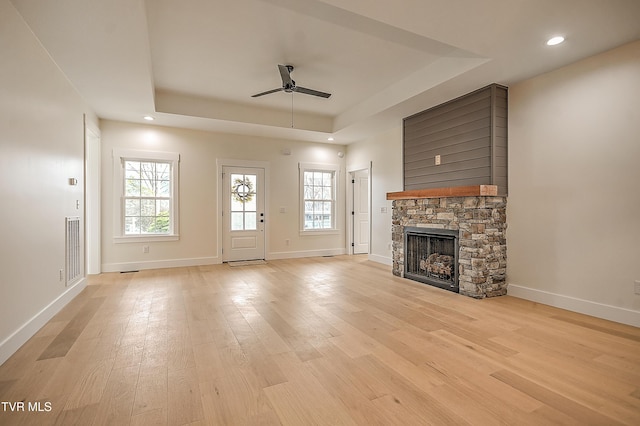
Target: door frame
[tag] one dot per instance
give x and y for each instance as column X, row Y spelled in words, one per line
column 350, row 204
column 228, row 162
column 92, row 201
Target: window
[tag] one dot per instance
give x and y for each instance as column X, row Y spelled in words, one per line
column 318, row 197
column 147, row 195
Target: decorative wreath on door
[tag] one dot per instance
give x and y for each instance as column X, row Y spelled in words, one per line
column 242, row 190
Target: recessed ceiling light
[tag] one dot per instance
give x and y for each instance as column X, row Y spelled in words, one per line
column 149, row 118
column 330, row 138
column 555, row 40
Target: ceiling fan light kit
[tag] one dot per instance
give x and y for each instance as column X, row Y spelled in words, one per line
column 289, row 85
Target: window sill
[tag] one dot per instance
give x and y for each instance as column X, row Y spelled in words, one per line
column 144, row 238
column 307, row 232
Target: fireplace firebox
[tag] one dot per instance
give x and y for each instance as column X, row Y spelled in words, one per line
column 431, row 256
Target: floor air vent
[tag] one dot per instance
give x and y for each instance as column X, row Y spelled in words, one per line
column 73, row 252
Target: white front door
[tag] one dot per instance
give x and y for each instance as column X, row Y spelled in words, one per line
column 360, row 180
column 243, row 213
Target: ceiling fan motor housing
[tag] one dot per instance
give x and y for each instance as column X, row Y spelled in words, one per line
column 289, row 87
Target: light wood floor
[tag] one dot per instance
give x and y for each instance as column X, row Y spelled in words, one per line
column 325, row 341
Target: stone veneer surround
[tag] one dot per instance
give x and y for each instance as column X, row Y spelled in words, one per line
column 481, row 222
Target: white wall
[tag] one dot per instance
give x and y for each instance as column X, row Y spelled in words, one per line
column 41, row 147
column 199, row 210
column 574, row 186
column 384, row 153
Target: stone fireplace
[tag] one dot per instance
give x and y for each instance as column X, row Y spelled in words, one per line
column 474, row 216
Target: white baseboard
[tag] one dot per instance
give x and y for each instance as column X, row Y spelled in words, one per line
column 159, row 264
column 587, row 307
column 381, row 259
column 175, row 263
column 306, row 253
column 12, row 343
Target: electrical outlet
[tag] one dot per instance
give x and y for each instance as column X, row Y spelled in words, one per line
column 636, row 288
column 437, row 160
column 286, row 242
column 145, row 249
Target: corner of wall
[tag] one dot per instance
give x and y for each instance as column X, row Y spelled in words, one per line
column 12, row 343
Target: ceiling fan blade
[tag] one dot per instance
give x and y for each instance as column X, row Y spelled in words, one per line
column 280, row 89
column 311, row 92
column 285, row 73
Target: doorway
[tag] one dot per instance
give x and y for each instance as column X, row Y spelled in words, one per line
column 243, row 214
column 360, row 211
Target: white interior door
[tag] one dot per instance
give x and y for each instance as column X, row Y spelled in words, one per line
column 243, row 213
column 360, row 180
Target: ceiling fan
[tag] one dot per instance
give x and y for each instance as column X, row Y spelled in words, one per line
column 288, row 85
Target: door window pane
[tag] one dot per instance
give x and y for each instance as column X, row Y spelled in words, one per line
column 237, row 222
column 250, row 221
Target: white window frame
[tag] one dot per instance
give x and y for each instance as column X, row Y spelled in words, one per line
column 326, row 168
column 119, row 157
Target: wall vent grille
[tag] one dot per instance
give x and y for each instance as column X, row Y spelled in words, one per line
column 73, row 252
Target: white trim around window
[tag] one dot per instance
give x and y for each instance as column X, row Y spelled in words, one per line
column 169, row 199
column 319, row 198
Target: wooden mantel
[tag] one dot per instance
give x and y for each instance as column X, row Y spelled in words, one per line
column 455, row 191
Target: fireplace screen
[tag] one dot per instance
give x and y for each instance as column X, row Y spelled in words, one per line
column 431, row 256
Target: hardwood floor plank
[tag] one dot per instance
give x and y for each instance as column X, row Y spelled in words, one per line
column 89, row 389
column 234, row 398
column 413, row 399
column 589, row 390
column 259, row 361
column 68, row 336
column 354, row 393
column 298, row 341
column 456, row 371
column 84, row 415
column 151, row 393
column 116, row 404
column 554, row 400
column 347, row 373
column 303, row 400
column 155, row 417
column 335, row 340
column 477, row 409
column 396, row 414
column 613, row 329
column 183, row 404
column 271, row 341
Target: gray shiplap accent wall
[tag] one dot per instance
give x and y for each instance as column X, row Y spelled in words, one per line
column 470, row 135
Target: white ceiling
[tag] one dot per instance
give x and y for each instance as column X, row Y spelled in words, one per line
column 196, row 63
